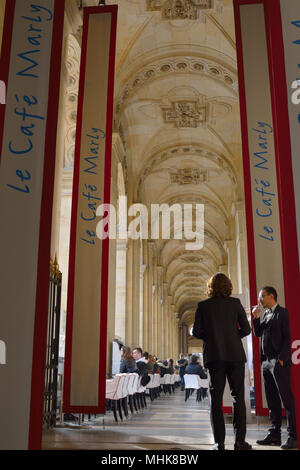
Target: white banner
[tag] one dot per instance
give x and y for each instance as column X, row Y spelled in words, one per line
column 30, row 28
column 85, row 359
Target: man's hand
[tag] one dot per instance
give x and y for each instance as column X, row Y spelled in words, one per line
column 256, row 311
column 280, row 362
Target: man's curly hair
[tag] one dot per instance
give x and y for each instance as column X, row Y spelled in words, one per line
column 219, row 285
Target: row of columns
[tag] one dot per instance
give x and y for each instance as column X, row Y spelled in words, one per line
column 150, row 317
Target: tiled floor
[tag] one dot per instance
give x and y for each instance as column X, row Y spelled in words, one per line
column 166, row 423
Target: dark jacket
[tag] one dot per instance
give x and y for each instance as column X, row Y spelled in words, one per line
column 127, row 366
column 142, row 370
column 165, row 368
column 196, row 369
column 221, row 322
column 279, row 333
column 182, row 363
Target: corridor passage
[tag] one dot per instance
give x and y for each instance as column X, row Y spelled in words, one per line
column 167, row 423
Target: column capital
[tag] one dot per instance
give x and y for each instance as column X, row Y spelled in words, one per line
column 228, row 244
column 237, row 206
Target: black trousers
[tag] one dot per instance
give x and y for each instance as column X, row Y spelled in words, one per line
column 277, row 380
column 235, row 374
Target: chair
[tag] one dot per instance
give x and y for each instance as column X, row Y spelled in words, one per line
column 150, row 387
column 157, row 384
column 124, row 393
column 204, row 388
column 141, row 398
column 111, row 394
column 172, row 382
column 191, row 383
column 121, row 394
column 167, row 384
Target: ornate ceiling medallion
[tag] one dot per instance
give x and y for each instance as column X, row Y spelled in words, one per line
column 179, row 9
column 186, row 113
column 188, row 176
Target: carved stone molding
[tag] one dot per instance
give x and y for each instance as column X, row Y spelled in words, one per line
column 179, row 65
column 172, row 152
column 72, row 65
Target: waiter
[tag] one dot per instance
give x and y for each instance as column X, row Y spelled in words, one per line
column 276, row 353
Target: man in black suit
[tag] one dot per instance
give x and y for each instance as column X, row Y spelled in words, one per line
column 221, row 322
column 275, row 358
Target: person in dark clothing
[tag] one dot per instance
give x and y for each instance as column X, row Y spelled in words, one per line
column 127, row 364
column 141, row 365
column 166, row 367
column 221, row 322
column 274, row 330
column 182, row 363
column 194, row 368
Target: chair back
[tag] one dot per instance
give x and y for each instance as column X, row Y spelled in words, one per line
column 112, row 388
column 192, row 381
column 122, row 387
column 167, row 378
column 204, row 383
column 151, row 383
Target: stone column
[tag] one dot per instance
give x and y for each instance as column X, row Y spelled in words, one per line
column 159, row 299
column 168, row 332
column 232, row 267
column 120, row 294
column 154, row 306
column 150, row 248
column 238, row 211
column 111, row 311
column 142, row 332
column 129, row 300
column 136, row 260
column 145, row 296
column 176, row 345
column 180, row 337
column 165, row 313
column 172, row 343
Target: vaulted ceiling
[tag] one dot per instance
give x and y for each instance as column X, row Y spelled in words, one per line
column 177, row 110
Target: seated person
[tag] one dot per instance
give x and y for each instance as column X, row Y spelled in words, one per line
column 127, row 364
column 141, row 365
column 166, row 367
column 194, row 368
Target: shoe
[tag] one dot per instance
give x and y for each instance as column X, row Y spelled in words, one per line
column 242, row 446
column 218, row 447
column 270, row 440
column 291, row 443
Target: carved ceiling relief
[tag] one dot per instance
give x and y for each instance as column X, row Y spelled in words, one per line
column 186, row 114
column 182, row 9
column 188, row 176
